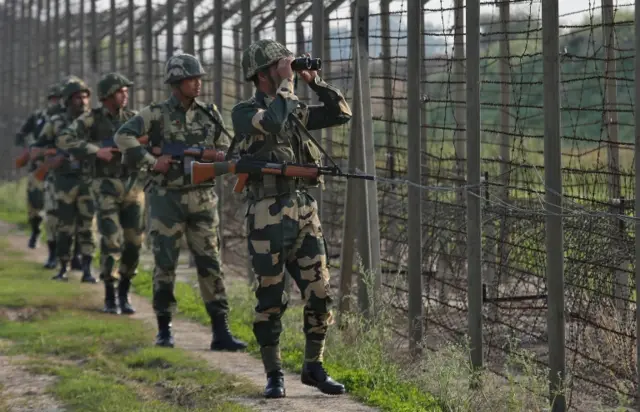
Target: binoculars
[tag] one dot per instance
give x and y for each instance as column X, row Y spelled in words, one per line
column 306, row 63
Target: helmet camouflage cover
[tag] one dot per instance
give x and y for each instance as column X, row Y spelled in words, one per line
column 182, row 66
column 111, row 83
column 55, row 90
column 261, row 54
column 73, row 86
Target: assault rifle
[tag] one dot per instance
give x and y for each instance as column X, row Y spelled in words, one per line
column 28, row 154
column 57, row 156
column 110, row 143
column 202, row 172
column 54, row 158
column 179, row 151
column 23, row 159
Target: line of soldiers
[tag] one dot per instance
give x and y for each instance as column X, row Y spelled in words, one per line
column 104, row 153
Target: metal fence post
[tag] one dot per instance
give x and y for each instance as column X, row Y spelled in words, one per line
column 131, row 40
column 148, row 51
column 218, row 85
column 636, row 150
column 553, row 205
column 113, row 41
column 414, row 153
column 474, row 215
column 371, row 219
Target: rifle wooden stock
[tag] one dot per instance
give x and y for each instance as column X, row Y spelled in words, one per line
column 203, row 172
column 51, row 163
column 23, row 159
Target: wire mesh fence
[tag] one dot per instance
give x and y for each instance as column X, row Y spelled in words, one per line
column 43, row 40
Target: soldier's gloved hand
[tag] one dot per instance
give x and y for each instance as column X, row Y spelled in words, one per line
column 104, row 153
column 162, row 164
column 283, row 69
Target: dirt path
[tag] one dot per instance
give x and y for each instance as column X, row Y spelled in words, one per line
column 196, row 338
column 22, row 391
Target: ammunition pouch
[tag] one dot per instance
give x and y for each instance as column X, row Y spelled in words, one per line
column 272, row 186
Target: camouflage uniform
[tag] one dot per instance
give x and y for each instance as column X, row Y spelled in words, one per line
column 26, row 138
column 119, row 211
column 282, row 218
column 74, row 199
column 176, row 207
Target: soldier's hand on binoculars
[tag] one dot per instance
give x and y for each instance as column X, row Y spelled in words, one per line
column 308, row 75
column 105, row 153
column 162, row 164
column 284, row 69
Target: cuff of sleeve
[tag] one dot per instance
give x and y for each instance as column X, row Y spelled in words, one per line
column 317, row 82
column 92, row 149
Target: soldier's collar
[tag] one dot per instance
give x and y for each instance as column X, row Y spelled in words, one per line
column 175, row 103
column 107, row 113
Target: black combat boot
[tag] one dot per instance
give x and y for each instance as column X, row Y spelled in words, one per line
column 62, row 273
column 164, row 338
column 35, row 231
column 313, row 374
column 110, row 305
column 275, row 385
column 123, row 296
column 51, row 262
column 86, row 270
column 76, row 263
column 222, row 338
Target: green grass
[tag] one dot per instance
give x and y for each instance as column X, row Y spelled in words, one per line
column 102, row 362
column 13, row 202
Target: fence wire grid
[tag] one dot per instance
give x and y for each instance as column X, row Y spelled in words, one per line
column 43, row 40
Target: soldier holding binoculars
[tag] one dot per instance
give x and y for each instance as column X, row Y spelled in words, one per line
column 282, row 218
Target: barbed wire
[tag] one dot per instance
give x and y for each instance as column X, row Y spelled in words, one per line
column 41, row 44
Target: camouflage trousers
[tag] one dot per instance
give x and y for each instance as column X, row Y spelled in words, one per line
column 120, row 223
column 192, row 212
column 76, row 211
column 51, row 208
column 35, row 197
column 286, row 231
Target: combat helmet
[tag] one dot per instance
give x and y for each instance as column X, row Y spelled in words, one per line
column 73, row 86
column 111, row 83
column 182, row 66
column 262, row 54
column 54, row 91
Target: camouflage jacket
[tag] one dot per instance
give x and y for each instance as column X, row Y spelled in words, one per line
column 48, row 139
column 32, row 127
column 201, row 125
column 264, row 129
column 86, row 135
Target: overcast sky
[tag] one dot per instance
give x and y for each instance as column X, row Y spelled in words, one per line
column 571, row 11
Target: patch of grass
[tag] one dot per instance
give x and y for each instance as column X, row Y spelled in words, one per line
column 13, row 202
column 103, row 362
column 25, row 283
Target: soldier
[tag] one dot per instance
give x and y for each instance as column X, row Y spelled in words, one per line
column 26, row 137
column 175, row 206
column 282, row 218
column 119, row 211
column 74, row 200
